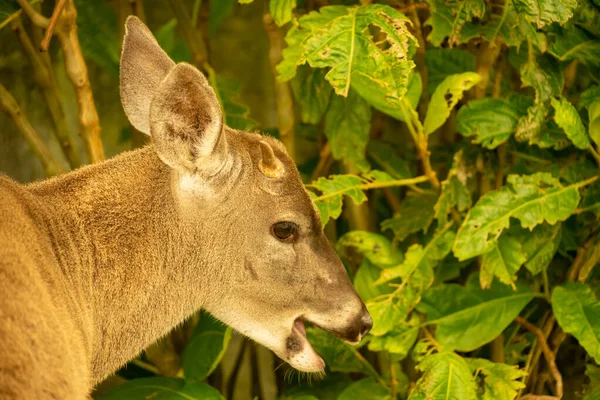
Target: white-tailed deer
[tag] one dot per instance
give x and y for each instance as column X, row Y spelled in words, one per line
column 98, row 263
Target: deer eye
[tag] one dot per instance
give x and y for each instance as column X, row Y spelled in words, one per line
column 285, row 231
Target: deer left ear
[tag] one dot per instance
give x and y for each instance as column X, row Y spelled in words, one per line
column 186, row 122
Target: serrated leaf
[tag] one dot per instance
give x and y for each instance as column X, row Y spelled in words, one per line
column 567, row 117
column 399, row 340
column 347, row 126
column 376, row 248
column 544, row 12
column 415, row 214
column 163, row 389
column 333, row 189
column 338, row 37
column 578, row 313
column 492, row 121
column 368, row 388
column 499, row 381
column 454, row 191
column 205, row 348
column 313, row 92
column 338, row 356
column 445, row 97
column 446, row 376
column 443, row 21
column 575, row 43
column 281, row 10
column 503, row 261
column 469, row 317
column 531, row 199
column 442, row 62
column 420, row 260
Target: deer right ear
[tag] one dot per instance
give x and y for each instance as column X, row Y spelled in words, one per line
column 144, row 65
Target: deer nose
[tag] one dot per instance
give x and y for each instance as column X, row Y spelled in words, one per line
column 366, row 323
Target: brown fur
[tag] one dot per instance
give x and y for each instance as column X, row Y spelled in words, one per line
column 98, row 263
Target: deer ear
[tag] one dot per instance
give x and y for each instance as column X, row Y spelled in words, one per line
column 143, row 67
column 186, row 122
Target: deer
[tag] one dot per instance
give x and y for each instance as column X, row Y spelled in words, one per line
column 98, row 263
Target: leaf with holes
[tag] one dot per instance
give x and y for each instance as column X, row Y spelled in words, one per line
column 532, row 199
column 467, row 317
column 339, row 38
column 567, row 117
column 446, row 376
column 445, row 97
column 577, row 311
column 496, row 381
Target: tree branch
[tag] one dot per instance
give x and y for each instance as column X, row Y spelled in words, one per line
column 60, row 5
column 43, row 76
column 10, row 106
column 38, row 19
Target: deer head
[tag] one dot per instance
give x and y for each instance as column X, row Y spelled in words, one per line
column 251, row 229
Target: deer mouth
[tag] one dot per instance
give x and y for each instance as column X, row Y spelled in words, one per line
column 299, row 352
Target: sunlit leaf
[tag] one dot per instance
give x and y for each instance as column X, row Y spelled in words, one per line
column 160, row 388
column 445, row 97
column 333, row 188
column 497, row 381
column 492, row 121
column 531, row 199
column 544, row 12
column 347, row 126
column 446, row 376
column 567, row 117
column 338, row 37
column 449, row 19
column 281, row 10
column 399, row 340
column 469, row 317
column 206, row 348
column 578, row 313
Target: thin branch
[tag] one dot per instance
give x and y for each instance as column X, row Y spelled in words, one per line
column 35, row 17
column 89, row 123
column 573, row 273
column 283, row 91
column 60, row 5
column 548, row 354
column 42, row 74
column 10, row 106
column 486, row 59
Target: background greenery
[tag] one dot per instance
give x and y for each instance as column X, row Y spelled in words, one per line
column 451, row 146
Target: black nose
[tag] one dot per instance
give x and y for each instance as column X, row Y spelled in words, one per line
column 366, row 323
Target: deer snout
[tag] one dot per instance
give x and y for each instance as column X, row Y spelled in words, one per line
column 366, row 324
column 358, row 328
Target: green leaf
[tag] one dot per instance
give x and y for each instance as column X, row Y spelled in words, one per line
column 218, row 13
column 338, row 356
column 415, row 214
column 592, row 391
column 446, row 376
column 540, row 245
column 499, row 381
column 544, row 12
column 313, row 92
column 333, row 189
column 491, row 121
column 376, row 248
column 469, row 317
column 163, row 389
column 503, row 261
column 388, row 159
column 443, row 62
column 445, row 97
column 206, row 348
column 578, row 313
column 449, row 19
column 399, row 340
column 420, row 261
column 531, row 199
column 575, row 43
column 594, row 128
column 235, row 114
column 347, row 126
column 338, row 37
column 589, row 96
column 530, row 126
column 454, row 191
column 547, row 81
column 569, row 120
column 366, row 274
column 281, row 10
column 367, row 388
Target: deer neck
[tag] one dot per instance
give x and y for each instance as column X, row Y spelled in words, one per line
column 138, row 262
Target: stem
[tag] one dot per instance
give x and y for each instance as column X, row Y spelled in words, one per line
column 35, row 17
column 374, row 185
column 89, row 123
column 486, row 58
column 325, row 158
column 580, row 259
column 548, row 354
column 283, row 92
column 60, row 5
column 42, row 74
column 10, row 106
column 595, row 154
column 146, row 366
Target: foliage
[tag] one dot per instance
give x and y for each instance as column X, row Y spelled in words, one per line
column 451, row 148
